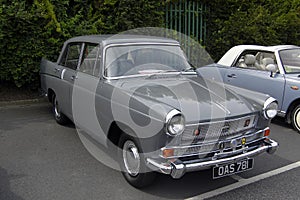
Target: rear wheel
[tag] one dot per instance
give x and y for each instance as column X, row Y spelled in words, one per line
column 60, row 118
column 132, row 163
column 295, row 117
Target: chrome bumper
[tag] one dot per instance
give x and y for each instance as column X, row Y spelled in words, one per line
column 178, row 168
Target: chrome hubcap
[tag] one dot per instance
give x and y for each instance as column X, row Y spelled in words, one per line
column 131, row 158
column 56, row 109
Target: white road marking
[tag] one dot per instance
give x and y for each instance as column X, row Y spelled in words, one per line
column 243, row 182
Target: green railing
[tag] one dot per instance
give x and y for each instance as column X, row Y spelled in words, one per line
column 187, row 17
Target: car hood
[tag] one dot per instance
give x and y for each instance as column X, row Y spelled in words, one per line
column 197, row 98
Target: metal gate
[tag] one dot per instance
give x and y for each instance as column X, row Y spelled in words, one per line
column 187, row 17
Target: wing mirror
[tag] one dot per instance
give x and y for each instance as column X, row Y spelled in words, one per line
column 271, row 68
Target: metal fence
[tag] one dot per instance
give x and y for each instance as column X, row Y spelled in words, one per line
column 187, row 17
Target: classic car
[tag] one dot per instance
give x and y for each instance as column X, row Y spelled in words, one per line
column 274, row 70
column 139, row 97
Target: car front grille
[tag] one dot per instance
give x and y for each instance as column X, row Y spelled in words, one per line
column 219, row 130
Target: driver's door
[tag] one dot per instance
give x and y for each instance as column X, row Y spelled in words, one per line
column 250, row 72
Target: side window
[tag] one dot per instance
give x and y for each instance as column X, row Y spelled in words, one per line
column 71, row 56
column 89, row 62
column 257, row 60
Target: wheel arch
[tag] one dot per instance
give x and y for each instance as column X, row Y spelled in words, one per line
column 51, row 94
column 290, row 110
column 115, row 132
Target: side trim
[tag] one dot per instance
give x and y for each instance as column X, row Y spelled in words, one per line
column 281, row 113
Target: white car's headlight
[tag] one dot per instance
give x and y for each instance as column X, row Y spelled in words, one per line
column 175, row 123
column 270, row 108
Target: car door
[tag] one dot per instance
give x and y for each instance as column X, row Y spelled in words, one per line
column 250, row 72
column 85, row 92
column 70, row 60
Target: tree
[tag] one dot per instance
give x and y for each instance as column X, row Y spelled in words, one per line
column 235, row 22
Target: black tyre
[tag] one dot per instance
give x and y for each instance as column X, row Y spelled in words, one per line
column 132, row 163
column 295, row 118
column 60, row 118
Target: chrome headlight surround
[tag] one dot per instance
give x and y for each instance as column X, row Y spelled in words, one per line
column 175, row 123
column 270, row 108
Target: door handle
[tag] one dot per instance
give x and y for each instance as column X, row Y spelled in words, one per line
column 231, row 76
column 56, row 69
column 73, row 78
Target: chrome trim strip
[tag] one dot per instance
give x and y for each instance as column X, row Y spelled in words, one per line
column 150, row 74
column 281, row 113
column 178, row 168
column 195, row 166
column 219, row 121
column 213, row 144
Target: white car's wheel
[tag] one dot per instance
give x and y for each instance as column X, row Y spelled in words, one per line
column 296, row 118
column 132, row 163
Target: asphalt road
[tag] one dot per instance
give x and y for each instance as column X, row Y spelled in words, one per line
column 40, row 159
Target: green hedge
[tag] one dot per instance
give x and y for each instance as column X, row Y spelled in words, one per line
column 32, row 29
column 261, row 22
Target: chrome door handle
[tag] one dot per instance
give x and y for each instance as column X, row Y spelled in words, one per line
column 231, row 76
column 56, row 69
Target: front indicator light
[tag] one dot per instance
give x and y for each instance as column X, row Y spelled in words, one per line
column 267, row 132
column 167, row 153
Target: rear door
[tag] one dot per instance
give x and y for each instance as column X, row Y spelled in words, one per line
column 70, row 61
column 249, row 71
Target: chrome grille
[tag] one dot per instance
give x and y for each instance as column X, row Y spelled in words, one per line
column 218, row 130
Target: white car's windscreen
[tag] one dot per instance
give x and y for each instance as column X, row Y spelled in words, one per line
column 291, row 60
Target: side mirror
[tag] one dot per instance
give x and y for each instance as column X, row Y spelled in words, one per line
column 271, row 68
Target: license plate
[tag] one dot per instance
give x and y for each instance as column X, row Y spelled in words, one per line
column 232, row 168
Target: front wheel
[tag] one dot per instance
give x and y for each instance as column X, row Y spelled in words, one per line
column 132, row 163
column 296, row 118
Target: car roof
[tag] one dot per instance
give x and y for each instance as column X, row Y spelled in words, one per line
column 229, row 57
column 266, row 48
column 121, row 39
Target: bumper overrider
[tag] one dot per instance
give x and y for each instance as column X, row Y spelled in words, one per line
column 177, row 168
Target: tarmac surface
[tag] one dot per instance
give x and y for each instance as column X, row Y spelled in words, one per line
column 40, row 159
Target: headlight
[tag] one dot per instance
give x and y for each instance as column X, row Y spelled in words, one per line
column 270, row 108
column 175, row 123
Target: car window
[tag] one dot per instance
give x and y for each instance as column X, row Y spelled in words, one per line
column 71, row 56
column 256, row 60
column 291, row 60
column 89, row 59
column 142, row 59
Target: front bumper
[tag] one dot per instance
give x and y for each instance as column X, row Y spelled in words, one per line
column 178, row 168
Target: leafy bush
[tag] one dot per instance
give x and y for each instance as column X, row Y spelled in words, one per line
column 234, row 22
column 30, row 30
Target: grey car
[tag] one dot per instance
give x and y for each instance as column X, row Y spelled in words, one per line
column 139, row 98
column 274, row 70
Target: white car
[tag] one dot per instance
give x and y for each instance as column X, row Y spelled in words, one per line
column 273, row 70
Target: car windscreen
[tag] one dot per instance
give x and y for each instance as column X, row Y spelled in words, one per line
column 291, row 60
column 126, row 60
